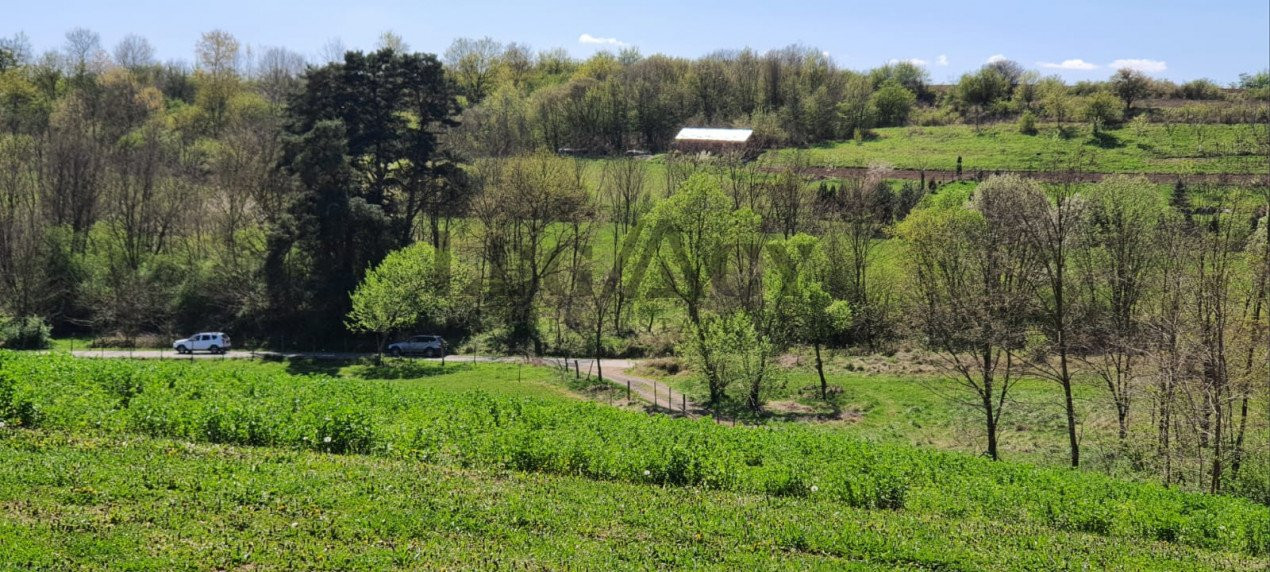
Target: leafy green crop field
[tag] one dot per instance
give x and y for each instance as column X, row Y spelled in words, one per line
column 71, row 501
column 1151, row 148
column 114, row 458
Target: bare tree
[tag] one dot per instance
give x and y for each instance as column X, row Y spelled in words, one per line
column 390, row 40
column 83, row 51
column 473, row 63
column 278, row 72
column 1117, row 271
column 332, row 51
column 134, row 52
column 1053, row 229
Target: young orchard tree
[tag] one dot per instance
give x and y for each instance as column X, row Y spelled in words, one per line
column 971, row 278
column 412, row 285
column 1101, row 110
column 804, row 312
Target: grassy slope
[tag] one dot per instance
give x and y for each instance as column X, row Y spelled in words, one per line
column 65, row 503
column 1153, row 148
column 501, row 428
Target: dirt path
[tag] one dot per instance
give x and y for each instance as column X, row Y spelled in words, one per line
column 661, row 397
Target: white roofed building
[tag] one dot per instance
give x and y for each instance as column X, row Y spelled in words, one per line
column 712, row 140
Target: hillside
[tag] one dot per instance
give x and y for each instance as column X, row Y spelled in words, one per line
column 394, row 471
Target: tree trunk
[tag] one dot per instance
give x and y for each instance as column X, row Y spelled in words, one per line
column 820, row 370
column 988, row 409
column 1071, row 424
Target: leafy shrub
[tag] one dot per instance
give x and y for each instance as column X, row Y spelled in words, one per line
column 1027, row 123
column 150, row 341
column 344, row 432
column 25, row 333
column 666, row 365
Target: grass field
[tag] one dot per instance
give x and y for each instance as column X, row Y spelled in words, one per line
column 181, row 462
column 1153, row 148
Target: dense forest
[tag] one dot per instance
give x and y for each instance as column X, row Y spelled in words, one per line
column 306, row 204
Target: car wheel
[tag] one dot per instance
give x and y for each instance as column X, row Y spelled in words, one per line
column 396, row 352
column 429, row 353
column 182, row 350
column 214, row 349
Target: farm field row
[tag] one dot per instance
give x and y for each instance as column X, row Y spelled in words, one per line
column 432, row 420
column 98, row 502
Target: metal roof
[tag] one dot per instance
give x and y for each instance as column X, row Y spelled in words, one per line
column 711, row 134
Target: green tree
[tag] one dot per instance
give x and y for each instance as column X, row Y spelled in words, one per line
column 971, row 270
column 1119, row 270
column 533, row 212
column 1027, row 123
column 1101, row 110
column 892, row 104
column 803, row 311
column 693, row 229
column 855, row 111
column 1130, row 85
column 411, row 285
column 978, row 91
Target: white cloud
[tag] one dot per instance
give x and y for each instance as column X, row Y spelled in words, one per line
column 942, row 60
column 915, row 61
column 825, row 53
column 589, row 39
column 994, row 58
column 1145, row 66
column 1076, row 64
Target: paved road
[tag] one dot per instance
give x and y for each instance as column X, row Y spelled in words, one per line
column 660, row 395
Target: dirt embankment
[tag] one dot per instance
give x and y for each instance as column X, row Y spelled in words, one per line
column 1048, row 176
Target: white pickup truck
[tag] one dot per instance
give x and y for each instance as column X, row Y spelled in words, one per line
column 211, row 342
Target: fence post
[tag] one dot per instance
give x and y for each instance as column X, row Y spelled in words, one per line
column 577, row 370
column 628, row 391
column 685, row 403
column 654, row 394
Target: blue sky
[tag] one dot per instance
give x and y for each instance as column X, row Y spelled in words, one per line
column 1079, row 39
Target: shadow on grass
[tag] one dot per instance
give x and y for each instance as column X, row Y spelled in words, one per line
column 735, row 410
column 308, row 366
column 398, row 368
column 1105, row 140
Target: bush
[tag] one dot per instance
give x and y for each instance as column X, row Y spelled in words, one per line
column 25, row 333
column 1027, row 123
column 120, row 341
column 933, row 116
